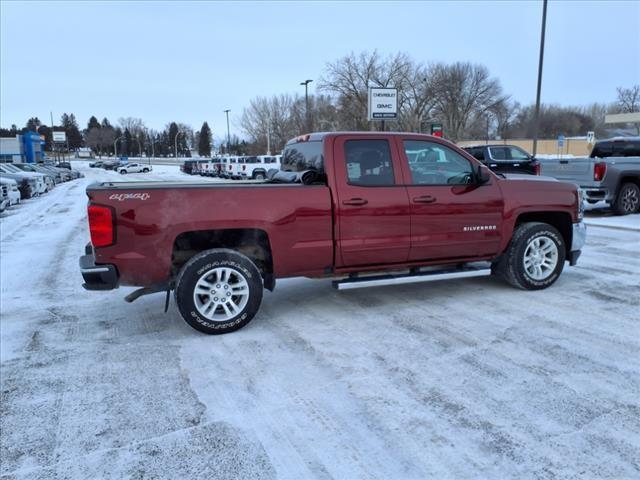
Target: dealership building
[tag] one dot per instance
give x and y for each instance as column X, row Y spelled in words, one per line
column 25, row 148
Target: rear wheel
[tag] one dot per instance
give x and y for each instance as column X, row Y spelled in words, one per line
column 218, row 291
column 123, row 172
column 628, row 200
column 535, row 257
column 145, row 170
column 259, row 176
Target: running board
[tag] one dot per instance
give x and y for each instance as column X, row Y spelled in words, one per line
column 432, row 276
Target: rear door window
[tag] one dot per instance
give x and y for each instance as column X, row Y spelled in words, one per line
column 301, row 156
column 369, row 163
column 499, row 153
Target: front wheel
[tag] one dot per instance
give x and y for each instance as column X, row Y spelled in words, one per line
column 123, row 172
column 535, row 257
column 218, row 291
column 145, row 170
column 628, row 200
column 259, row 176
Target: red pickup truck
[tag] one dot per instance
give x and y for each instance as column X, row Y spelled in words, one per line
column 361, row 208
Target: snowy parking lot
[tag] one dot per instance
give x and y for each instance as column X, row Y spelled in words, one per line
column 447, row 380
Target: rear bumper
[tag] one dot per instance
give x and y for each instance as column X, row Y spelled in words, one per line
column 597, row 194
column 98, row 277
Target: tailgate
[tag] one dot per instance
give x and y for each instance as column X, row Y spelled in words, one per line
column 577, row 170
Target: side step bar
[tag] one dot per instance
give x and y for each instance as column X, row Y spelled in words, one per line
column 430, row 276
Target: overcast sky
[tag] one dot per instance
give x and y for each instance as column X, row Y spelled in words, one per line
column 188, row 61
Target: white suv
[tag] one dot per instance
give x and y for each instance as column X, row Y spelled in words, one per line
column 135, row 168
column 256, row 168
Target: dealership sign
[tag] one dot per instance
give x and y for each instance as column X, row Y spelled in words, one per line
column 383, row 103
column 59, row 137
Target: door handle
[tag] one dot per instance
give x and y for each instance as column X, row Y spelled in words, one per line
column 424, row 199
column 355, row 201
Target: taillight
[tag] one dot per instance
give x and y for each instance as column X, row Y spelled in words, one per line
column 599, row 171
column 536, row 168
column 101, row 225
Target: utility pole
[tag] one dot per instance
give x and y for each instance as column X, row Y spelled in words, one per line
column 306, row 103
column 536, row 117
column 228, row 134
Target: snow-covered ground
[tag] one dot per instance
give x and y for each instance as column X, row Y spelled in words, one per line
column 449, row 380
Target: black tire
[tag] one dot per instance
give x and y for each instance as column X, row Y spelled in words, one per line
column 628, row 199
column 259, row 176
column 123, row 172
column 511, row 264
column 196, row 268
column 145, row 170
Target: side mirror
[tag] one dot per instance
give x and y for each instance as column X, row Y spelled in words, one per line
column 482, row 174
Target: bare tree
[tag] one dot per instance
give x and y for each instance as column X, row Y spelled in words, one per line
column 136, row 129
column 461, row 92
column 349, row 79
column 629, row 102
column 276, row 117
column 100, row 139
column 629, row 99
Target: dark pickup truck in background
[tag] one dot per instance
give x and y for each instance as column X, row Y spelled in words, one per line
column 505, row 158
column 366, row 209
column 610, row 174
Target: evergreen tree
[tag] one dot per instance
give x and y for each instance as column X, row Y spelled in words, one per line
column 171, row 138
column 32, row 124
column 204, row 141
column 45, row 131
column 70, row 125
column 127, row 144
column 93, row 123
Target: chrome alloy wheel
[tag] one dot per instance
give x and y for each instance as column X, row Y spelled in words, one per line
column 540, row 257
column 221, row 294
column 630, row 200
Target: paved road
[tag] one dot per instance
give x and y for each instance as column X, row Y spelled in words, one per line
column 466, row 379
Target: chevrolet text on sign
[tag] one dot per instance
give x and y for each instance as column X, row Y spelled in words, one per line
column 383, row 103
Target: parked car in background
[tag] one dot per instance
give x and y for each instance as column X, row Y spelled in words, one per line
column 111, row 164
column 39, row 179
column 49, row 178
column 134, row 168
column 66, row 165
column 610, row 174
column 12, row 191
column 505, row 158
column 256, row 167
column 62, row 173
column 26, row 185
column 96, row 164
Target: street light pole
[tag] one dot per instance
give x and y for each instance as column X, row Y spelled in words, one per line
column 175, row 144
column 269, row 137
column 536, row 117
column 306, row 102
column 228, row 134
column 115, row 146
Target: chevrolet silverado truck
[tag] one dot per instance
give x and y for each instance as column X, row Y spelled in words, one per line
column 610, row 174
column 360, row 208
